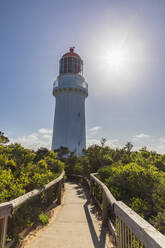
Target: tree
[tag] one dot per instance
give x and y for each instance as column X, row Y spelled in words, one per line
column 128, row 147
column 3, row 139
column 41, row 153
column 62, row 152
column 103, row 141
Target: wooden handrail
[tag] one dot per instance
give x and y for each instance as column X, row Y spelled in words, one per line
column 110, row 198
column 146, row 233
column 7, row 207
column 130, row 229
column 26, row 197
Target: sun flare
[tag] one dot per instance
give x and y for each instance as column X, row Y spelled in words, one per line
column 117, row 65
column 121, row 59
column 117, row 60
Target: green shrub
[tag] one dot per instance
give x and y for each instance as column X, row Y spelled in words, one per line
column 22, row 170
column 43, row 218
column 134, row 177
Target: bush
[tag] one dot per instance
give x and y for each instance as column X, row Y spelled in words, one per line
column 136, row 178
column 22, row 170
column 43, row 219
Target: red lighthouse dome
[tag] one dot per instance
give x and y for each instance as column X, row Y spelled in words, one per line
column 71, row 53
column 71, row 62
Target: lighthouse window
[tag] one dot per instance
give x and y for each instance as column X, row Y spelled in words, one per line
column 79, row 65
column 65, row 65
column 62, row 66
column 71, row 65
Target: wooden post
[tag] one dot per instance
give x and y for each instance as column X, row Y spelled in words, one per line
column 59, row 192
column 105, row 209
column 91, row 190
column 3, row 223
column 5, row 210
column 140, row 229
column 63, row 185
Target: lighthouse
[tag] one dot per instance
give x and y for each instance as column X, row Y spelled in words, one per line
column 70, row 91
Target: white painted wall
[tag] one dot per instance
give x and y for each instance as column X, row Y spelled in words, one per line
column 69, row 123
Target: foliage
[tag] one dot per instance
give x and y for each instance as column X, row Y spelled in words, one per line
column 3, row 139
column 43, row 218
column 134, row 177
column 62, row 152
column 22, row 170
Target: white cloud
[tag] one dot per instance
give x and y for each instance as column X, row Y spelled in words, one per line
column 162, row 140
column 95, row 129
column 138, row 141
column 112, row 143
column 35, row 140
column 141, row 136
column 44, row 130
column 43, row 138
column 152, row 143
column 92, row 142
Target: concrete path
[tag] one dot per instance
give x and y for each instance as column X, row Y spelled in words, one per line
column 75, row 225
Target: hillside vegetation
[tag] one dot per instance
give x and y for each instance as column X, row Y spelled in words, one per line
column 136, row 178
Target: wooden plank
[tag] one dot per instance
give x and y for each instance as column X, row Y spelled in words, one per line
column 146, row 233
column 54, row 181
column 22, row 199
column 5, row 209
column 112, row 228
column 59, row 193
column 3, row 232
column 105, row 209
column 110, row 198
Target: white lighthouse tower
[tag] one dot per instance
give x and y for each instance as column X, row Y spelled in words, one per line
column 70, row 90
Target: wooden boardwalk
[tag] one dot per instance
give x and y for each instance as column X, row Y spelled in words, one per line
column 75, row 225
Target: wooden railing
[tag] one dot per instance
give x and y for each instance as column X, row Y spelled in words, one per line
column 7, row 208
column 127, row 227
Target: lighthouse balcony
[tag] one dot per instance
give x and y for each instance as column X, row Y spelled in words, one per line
column 70, row 82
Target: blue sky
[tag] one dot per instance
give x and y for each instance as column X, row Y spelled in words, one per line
column 126, row 100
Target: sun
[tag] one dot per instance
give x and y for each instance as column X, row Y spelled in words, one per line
column 117, row 67
column 117, row 60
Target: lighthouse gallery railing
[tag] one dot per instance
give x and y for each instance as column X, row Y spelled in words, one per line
column 83, row 84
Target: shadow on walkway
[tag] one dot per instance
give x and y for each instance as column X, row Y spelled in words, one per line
column 98, row 242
